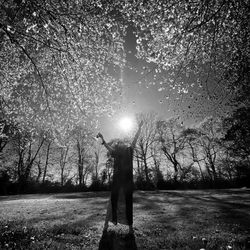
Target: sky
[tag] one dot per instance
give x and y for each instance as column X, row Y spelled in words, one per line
column 146, row 90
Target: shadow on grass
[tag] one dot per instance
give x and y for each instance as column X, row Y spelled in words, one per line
column 115, row 241
column 23, row 196
column 82, row 195
column 210, row 209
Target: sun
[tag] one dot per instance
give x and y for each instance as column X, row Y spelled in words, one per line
column 126, row 124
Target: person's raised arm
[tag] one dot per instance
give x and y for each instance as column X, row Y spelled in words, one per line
column 108, row 147
column 137, row 135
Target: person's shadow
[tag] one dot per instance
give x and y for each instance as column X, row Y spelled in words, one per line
column 114, row 241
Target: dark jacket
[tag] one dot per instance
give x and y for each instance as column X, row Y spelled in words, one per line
column 123, row 166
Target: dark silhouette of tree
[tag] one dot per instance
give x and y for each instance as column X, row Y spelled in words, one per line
column 172, row 144
column 26, row 146
column 48, row 148
column 193, row 135
column 237, row 135
column 145, row 142
column 211, row 134
column 237, row 142
column 83, row 145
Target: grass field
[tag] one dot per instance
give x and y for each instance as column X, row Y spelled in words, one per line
column 208, row 219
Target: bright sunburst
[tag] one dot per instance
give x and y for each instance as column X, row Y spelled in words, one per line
column 126, row 124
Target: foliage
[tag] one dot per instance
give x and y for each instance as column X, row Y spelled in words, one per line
column 57, row 57
column 54, row 59
column 205, row 40
column 238, row 132
column 172, row 142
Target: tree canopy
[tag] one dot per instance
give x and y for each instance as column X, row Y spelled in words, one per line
column 54, row 61
column 205, row 40
column 59, row 59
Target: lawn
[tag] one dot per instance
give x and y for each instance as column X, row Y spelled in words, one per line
column 208, row 219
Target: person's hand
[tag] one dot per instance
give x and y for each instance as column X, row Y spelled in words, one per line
column 99, row 135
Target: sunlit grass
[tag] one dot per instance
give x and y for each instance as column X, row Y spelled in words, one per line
column 162, row 220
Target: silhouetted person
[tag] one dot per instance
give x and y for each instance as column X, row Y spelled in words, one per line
column 122, row 177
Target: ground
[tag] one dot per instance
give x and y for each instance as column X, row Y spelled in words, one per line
column 207, row 219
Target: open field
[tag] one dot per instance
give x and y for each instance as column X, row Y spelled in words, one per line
column 209, row 219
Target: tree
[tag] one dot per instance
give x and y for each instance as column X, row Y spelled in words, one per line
column 6, row 132
column 7, row 129
column 172, row 142
column 39, row 169
column 98, row 152
column 26, row 145
column 46, row 164
column 237, row 128
column 62, row 156
column 210, row 141
column 54, row 60
column 62, row 162
column 205, row 40
column 237, row 142
column 193, row 135
column 145, row 142
column 83, row 140
column 44, row 157
column 156, row 157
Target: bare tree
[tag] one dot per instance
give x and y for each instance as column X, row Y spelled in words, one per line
column 145, row 142
column 39, row 168
column 43, row 158
column 48, row 148
column 172, row 143
column 62, row 162
column 27, row 146
column 83, row 141
column 210, row 142
column 98, row 152
column 194, row 148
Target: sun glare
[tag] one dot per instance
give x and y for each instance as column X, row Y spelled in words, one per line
column 126, row 124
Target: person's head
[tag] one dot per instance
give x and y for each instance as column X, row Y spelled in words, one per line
column 119, row 145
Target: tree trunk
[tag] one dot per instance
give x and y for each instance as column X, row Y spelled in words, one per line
column 146, row 169
column 175, row 164
column 39, row 171
column 138, row 165
column 80, row 172
column 46, row 162
column 63, row 158
column 208, row 171
column 202, row 175
column 96, row 165
column 80, row 164
column 62, row 177
column 31, row 160
column 213, row 170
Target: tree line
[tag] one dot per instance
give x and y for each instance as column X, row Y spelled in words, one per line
column 214, row 153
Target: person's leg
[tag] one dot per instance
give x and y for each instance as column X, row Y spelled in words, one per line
column 108, row 214
column 129, row 205
column 114, row 201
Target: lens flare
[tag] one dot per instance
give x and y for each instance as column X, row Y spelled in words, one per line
column 126, row 124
